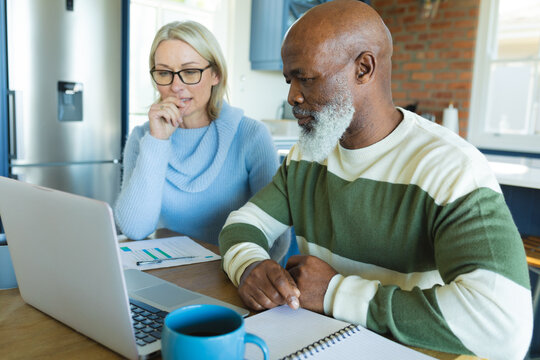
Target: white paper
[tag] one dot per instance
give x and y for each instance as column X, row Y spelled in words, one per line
column 178, row 246
column 286, row 331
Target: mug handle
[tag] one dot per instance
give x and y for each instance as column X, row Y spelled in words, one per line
column 254, row 339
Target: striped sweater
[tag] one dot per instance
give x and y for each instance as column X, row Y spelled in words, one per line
column 418, row 230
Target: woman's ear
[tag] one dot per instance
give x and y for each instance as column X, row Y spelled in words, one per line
column 364, row 67
column 215, row 79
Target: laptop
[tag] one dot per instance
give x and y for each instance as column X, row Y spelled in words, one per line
column 67, row 263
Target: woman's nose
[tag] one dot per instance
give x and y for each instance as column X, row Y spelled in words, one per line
column 177, row 83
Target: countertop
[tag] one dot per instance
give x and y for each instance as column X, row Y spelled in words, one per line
column 516, row 171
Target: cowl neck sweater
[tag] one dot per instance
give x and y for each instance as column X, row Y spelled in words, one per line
column 198, row 154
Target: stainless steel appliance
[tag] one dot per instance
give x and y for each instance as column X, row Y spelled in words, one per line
column 64, row 60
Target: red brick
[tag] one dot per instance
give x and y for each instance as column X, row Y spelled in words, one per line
column 467, row 75
column 396, row 10
column 411, row 86
column 466, row 55
column 382, row 3
column 440, row 25
column 413, row 9
column 399, row 94
column 461, row 65
column 455, row 34
column 455, row 13
column 445, row 76
column 413, row 66
column 457, row 55
column 462, row 95
column 469, row 44
column 427, row 103
column 474, row 13
column 425, row 76
column 418, row 27
column 408, row 19
column 428, row 36
column 461, row 85
column 414, row 46
column 443, row 95
column 401, row 56
column 400, row 76
column 394, row 28
column 466, row 23
column 421, row 55
column 433, row 85
column 419, row 94
column 453, row 54
column 439, row 45
column 471, row 34
column 436, row 65
column 404, row 38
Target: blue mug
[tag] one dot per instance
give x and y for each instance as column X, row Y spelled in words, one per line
column 206, row 332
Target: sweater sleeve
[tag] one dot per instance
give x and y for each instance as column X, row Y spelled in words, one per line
column 261, row 156
column 482, row 308
column 249, row 231
column 138, row 206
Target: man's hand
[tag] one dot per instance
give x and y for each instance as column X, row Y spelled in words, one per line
column 265, row 284
column 312, row 276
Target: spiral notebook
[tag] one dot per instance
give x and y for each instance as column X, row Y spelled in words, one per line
column 303, row 334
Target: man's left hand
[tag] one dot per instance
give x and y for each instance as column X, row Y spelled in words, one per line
column 312, row 276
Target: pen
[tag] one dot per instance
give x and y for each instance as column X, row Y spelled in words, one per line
column 157, row 261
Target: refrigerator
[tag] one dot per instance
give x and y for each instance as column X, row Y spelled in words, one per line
column 65, row 94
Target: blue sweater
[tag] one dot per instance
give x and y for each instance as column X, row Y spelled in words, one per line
column 192, row 181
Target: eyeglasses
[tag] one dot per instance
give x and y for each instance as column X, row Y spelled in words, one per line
column 188, row 76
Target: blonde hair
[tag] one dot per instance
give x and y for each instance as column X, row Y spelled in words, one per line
column 204, row 42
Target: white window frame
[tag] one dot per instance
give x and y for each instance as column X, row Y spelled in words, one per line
column 484, row 46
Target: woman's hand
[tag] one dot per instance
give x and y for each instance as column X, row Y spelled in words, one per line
column 165, row 117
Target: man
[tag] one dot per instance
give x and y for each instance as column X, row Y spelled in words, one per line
column 401, row 224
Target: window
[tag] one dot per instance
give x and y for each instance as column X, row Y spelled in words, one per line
column 505, row 104
column 146, row 17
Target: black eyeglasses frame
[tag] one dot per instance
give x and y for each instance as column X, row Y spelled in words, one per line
column 179, row 73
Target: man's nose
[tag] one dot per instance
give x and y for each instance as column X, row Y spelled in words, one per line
column 295, row 97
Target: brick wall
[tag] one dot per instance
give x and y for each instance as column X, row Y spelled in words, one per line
column 433, row 58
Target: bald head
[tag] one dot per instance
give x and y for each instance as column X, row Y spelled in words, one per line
column 350, row 26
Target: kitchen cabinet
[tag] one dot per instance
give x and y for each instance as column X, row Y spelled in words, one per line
column 270, row 20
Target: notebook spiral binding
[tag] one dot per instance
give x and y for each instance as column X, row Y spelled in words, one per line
column 322, row 344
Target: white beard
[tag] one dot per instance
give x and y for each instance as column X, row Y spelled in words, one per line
column 327, row 127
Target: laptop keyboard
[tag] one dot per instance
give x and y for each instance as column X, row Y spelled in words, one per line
column 147, row 322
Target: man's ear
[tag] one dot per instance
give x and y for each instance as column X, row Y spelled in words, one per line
column 364, row 67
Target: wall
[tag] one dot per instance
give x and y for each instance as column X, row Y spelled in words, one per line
column 433, row 58
column 259, row 93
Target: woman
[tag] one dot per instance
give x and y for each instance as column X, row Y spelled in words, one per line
column 197, row 158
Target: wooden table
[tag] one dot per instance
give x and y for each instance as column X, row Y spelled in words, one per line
column 27, row 333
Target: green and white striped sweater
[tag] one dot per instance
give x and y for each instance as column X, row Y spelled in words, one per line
column 418, row 229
